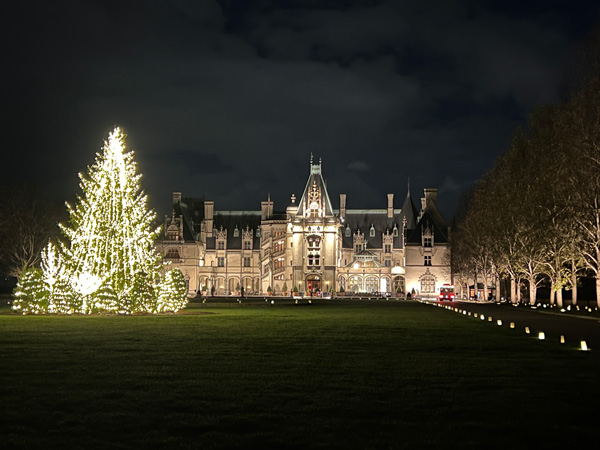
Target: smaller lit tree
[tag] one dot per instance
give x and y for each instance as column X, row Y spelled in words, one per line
column 172, row 292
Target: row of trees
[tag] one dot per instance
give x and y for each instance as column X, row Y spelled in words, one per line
column 535, row 216
column 106, row 261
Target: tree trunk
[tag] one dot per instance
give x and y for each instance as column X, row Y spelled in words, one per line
column 518, row 287
column 552, row 290
column 559, row 298
column 532, row 291
column 513, row 290
column 598, row 289
column 497, row 288
column 573, row 283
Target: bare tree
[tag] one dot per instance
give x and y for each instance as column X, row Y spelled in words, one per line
column 27, row 221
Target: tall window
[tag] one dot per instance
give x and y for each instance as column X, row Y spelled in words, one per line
column 387, row 248
column 427, row 260
column 428, row 284
column 427, row 242
column 246, row 261
column 388, row 263
column 357, row 248
column 221, row 261
column 247, row 245
column 221, row 245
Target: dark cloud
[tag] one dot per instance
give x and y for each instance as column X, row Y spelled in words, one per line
column 229, row 99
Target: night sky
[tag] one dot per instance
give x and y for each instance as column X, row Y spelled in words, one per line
column 227, row 99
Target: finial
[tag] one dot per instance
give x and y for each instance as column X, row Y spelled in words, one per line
column 311, row 158
column 320, row 160
column 293, row 198
column 408, row 185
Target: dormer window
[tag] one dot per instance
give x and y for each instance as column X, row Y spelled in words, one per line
column 220, row 245
column 372, row 231
column 395, row 231
column 173, row 233
column 348, row 232
column 427, row 241
column 258, row 232
column 236, row 232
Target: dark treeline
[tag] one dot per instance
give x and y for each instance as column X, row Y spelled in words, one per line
column 535, row 217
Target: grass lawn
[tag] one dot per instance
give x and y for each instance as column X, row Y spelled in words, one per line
column 331, row 375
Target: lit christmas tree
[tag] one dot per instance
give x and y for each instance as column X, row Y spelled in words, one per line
column 172, row 293
column 109, row 263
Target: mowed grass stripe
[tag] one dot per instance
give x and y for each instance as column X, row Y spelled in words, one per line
column 327, row 375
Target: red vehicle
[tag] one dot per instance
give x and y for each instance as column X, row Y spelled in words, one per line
column 447, row 293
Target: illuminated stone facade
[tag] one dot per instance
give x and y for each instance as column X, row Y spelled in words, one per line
column 310, row 246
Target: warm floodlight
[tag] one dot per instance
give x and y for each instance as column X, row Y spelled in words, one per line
column 584, row 346
column 499, row 322
column 541, row 336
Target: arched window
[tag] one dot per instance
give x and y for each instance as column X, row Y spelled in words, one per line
column 371, row 284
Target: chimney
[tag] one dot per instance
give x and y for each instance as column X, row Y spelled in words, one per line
column 430, row 196
column 343, row 206
column 266, row 209
column 209, row 207
column 176, row 197
column 390, row 208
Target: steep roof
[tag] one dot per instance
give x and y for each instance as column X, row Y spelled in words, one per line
column 363, row 220
column 315, row 186
column 192, row 210
column 232, row 220
column 409, row 211
column 430, row 219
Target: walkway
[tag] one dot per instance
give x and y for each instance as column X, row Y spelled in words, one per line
column 550, row 321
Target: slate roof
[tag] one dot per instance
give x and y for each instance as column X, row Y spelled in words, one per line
column 363, row 219
column 315, row 178
column 192, row 210
column 229, row 220
column 431, row 219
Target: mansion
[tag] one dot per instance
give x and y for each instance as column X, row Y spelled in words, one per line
column 309, row 246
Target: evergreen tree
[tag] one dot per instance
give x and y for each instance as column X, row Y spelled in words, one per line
column 31, row 294
column 108, row 263
column 110, row 232
column 172, row 292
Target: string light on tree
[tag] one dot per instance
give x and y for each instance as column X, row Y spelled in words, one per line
column 107, row 262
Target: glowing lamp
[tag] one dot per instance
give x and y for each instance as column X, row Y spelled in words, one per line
column 490, row 319
column 512, row 324
column 482, row 317
column 562, row 339
column 526, row 330
column 584, row 346
column 499, row 322
column 541, row 336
